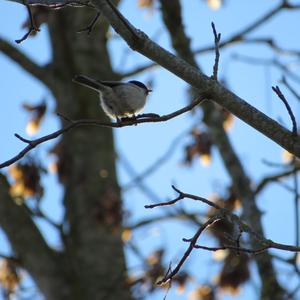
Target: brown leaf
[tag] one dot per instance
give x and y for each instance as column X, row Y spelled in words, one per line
column 146, row 3
column 26, row 180
column 234, row 273
column 9, row 276
column 37, row 113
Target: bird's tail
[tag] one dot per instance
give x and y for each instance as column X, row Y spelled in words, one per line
column 88, row 82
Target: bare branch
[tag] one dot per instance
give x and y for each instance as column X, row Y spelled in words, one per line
column 35, row 256
column 229, row 247
column 221, row 214
column 208, row 88
column 41, row 73
column 56, row 3
column 296, row 203
column 217, row 56
column 32, row 27
column 240, row 35
column 288, row 108
column 189, row 250
column 182, row 195
column 10, row 258
column 243, row 40
column 275, row 177
column 33, row 143
column 91, row 26
column 263, row 61
column 270, row 245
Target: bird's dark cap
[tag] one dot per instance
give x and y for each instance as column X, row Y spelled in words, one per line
column 141, row 85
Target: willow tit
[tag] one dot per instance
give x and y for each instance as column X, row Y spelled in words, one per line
column 118, row 99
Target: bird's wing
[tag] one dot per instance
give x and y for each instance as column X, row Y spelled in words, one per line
column 88, row 82
column 95, row 84
column 111, row 83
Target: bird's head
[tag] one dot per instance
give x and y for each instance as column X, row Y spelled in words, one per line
column 140, row 85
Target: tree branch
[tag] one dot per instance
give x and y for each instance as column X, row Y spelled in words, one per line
column 240, row 182
column 190, row 248
column 217, row 51
column 271, row 62
column 33, row 143
column 207, row 87
column 239, row 37
column 288, row 108
column 32, row 27
column 55, row 3
column 221, row 214
column 210, row 89
column 182, row 195
column 27, row 242
column 41, row 73
column 275, row 177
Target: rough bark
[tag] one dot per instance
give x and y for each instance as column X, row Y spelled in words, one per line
column 92, row 202
column 91, row 265
column 44, row 265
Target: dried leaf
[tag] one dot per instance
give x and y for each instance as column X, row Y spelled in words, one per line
column 26, row 180
column 204, row 292
column 9, row 276
column 37, row 113
column 126, row 235
column 234, row 273
column 145, row 3
column 214, row 4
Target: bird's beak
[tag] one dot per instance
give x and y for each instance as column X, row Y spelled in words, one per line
column 149, row 91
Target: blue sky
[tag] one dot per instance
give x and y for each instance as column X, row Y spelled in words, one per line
column 142, row 145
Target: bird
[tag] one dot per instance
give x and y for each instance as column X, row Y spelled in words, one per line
column 119, row 100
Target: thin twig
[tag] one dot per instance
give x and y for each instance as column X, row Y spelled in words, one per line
column 91, row 26
column 170, row 283
column 33, row 143
column 275, row 177
column 217, row 51
column 10, row 258
column 264, row 61
column 190, row 248
column 182, row 195
column 32, row 27
column 22, row 139
column 240, row 35
column 221, row 214
column 296, row 203
column 229, row 247
column 283, row 99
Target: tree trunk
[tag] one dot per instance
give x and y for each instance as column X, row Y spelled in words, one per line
column 92, row 261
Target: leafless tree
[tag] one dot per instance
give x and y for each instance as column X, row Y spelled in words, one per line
column 91, row 264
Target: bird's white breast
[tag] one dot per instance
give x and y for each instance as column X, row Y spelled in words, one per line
column 123, row 101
